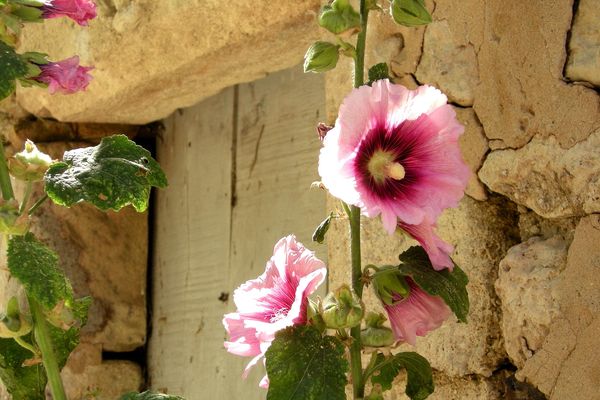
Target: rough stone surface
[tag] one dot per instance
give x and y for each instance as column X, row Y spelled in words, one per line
column 546, row 178
column 522, row 92
column 532, row 225
column 143, row 74
column 481, row 232
column 583, row 63
column 88, row 377
column 568, row 365
column 456, row 79
column 474, row 146
column 446, row 388
column 526, row 286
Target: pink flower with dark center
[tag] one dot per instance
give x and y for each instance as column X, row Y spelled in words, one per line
column 437, row 250
column 80, row 11
column 395, row 152
column 275, row 300
column 65, row 76
column 416, row 315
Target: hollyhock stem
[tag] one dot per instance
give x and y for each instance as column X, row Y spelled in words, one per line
column 5, row 184
column 358, row 384
column 42, row 338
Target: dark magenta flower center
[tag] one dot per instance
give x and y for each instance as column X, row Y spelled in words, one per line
column 385, row 159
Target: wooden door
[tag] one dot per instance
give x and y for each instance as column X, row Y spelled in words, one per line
column 240, row 165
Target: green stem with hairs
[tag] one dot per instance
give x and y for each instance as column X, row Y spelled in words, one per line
column 5, row 184
column 358, row 383
column 44, row 342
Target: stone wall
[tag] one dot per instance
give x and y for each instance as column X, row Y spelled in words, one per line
column 524, row 79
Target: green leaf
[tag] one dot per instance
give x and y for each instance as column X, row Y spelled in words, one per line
column 419, row 383
column 149, row 396
column 339, row 17
column 321, row 57
column 303, row 365
column 410, row 12
column 450, row 286
column 11, row 67
column 23, row 383
column 378, row 72
column 111, row 175
column 36, row 267
column 319, row 234
column 65, row 340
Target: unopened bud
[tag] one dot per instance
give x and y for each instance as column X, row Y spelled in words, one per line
column 314, row 317
column 321, row 57
column 30, row 164
column 342, row 309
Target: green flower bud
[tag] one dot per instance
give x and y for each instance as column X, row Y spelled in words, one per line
column 321, row 57
column 30, row 164
column 376, row 393
column 339, row 17
column 342, row 309
column 389, row 284
column 13, row 324
column 375, row 334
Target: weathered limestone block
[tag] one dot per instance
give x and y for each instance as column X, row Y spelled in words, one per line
column 474, row 146
column 482, row 232
column 551, row 181
column 88, row 377
column 152, row 57
column 448, row 63
column 526, row 286
column 522, row 91
column 568, row 363
column 532, row 225
column 467, row 388
column 583, row 63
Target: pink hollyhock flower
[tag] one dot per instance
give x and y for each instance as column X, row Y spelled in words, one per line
column 65, row 76
column 395, row 152
column 417, row 314
column 275, row 300
column 437, row 250
column 80, row 11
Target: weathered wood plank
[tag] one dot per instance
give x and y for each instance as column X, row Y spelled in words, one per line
column 277, row 151
column 191, row 254
column 204, row 246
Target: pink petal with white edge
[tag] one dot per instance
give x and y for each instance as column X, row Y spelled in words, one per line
column 275, row 300
column 416, row 129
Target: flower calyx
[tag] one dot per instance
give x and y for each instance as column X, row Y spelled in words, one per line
column 375, row 334
column 390, row 286
column 342, row 309
column 30, row 164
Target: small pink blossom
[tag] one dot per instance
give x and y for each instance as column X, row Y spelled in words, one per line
column 395, row 152
column 65, row 76
column 80, row 11
column 437, row 250
column 416, row 315
column 275, row 300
